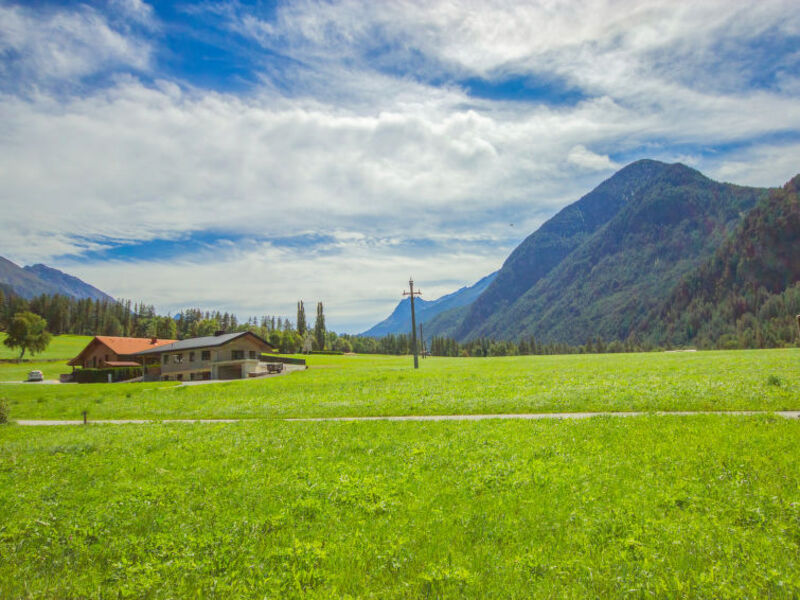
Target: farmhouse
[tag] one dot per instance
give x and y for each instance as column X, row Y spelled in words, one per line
column 110, row 351
column 221, row 356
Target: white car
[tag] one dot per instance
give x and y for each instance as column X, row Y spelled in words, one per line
column 35, row 376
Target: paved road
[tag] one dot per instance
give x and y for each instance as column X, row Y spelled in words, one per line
column 789, row 414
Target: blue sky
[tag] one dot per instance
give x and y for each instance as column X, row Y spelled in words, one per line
column 245, row 155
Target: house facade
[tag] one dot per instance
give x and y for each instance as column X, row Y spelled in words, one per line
column 223, row 356
column 111, row 351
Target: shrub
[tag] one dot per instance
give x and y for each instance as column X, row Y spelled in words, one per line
column 774, row 380
column 101, row 375
column 284, row 359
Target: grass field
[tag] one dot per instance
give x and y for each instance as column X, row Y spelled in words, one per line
column 61, row 347
column 52, row 362
column 704, row 506
column 380, row 385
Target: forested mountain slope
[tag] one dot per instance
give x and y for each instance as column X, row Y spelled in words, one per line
column 619, row 274
column 545, row 248
column 748, row 293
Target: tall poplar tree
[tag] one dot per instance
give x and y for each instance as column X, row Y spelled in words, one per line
column 319, row 327
column 301, row 319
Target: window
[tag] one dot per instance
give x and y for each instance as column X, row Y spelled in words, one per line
column 237, row 354
column 166, row 358
column 179, row 377
column 206, row 355
column 178, row 359
column 252, row 353
column 191, row 356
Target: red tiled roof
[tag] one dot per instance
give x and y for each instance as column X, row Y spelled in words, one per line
column 129, row 345
column 121, row 346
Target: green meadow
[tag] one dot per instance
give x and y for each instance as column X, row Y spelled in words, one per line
column 52, row 362
column 381, row 385
column 694, row 507
column 62, row 347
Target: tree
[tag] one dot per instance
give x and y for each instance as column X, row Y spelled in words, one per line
column 275, row 338
column 207, row 327
column 301, row 319
column 27, row 331
column 319, row 328
column 166, row 328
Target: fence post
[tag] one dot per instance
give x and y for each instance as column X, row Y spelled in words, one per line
column 84, row 418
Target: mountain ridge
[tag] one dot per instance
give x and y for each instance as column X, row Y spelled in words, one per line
column 31, row 281
column 602, row 266
column 399, row 321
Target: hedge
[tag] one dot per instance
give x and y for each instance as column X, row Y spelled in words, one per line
column 101, row 375
column 283, row 359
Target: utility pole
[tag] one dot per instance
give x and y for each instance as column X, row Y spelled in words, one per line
column 411, row 293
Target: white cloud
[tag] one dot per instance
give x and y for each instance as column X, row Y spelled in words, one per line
column 767, row 165
column 357, row 152
column 136, row 11
column 359, row 284
column 585, row 158
column 41, row 48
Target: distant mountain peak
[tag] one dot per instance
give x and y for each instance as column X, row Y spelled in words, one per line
column 39, row 279
column 400, row 319
column 593, row 267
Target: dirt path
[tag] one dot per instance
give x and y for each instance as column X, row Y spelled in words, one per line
column 788, row 414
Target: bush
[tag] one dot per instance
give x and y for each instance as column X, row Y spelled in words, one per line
column 101, row 375
column 774, row 380
column 284, row 359
column 3, row 411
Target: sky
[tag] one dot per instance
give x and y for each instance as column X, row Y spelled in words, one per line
column 242, row 156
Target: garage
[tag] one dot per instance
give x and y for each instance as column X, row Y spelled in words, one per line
column 229, row 372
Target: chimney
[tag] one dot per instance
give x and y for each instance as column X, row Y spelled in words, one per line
column 220, row 332
column 153, row 340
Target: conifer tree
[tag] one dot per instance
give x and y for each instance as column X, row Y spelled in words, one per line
column 319, row 327
column 301, row 319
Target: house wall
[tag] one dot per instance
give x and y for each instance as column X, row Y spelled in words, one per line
column 98, row 354
column 220, row 354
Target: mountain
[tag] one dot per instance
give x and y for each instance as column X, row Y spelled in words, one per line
column 21, row 282
column 400, row 319
column 748, row 293
column 39, row 279
column 602, row 264
column 68, row 284
column 549, row 245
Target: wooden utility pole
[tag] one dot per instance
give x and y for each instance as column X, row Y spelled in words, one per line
column 411, row 293
column 422, row 342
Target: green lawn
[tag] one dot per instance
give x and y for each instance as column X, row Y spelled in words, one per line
column 379, row 385
column 62, row 346
column 700, row 507
column 19, row 371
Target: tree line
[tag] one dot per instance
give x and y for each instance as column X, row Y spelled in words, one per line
column 87, row 316
column 753, row 318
